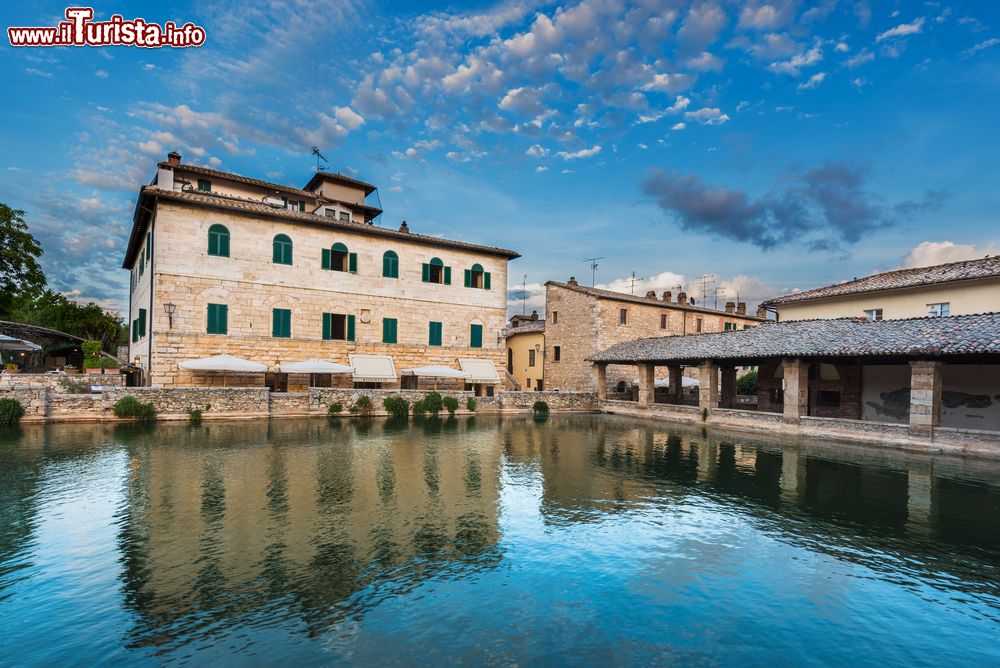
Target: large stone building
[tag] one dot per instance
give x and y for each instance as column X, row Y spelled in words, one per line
column 580, row 321
column 956, row 288
column 226, row 264
column 525, row 341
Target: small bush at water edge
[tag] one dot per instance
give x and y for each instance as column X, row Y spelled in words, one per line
column 451, row 403
column 11, row 412
column 363, row 406
column 397, row 407
column 194, row 415
column 540, row 408
column 336, row 408
column 130, row 407
column 434, row 403
column 419, row 409
column 470, row 404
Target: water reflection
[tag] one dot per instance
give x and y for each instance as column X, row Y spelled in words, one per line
column 228, row 533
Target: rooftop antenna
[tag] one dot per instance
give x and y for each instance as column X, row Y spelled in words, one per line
column 593, row 268
column 524, row 292
column 634, row 279
column 706, row 280
column 319, row 156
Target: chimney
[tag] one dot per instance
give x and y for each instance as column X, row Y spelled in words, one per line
column 174, row 158
column 682, row 297
column 572, row 280
column 741, row 308
column 404, row 227
column 667, row 296
column 534, row 315
column 651, row 294
column 761, row 312
column 730, row 307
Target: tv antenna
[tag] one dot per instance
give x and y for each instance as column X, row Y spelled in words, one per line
column 524, row 292
column 634, row 279
column 593, row 268
column 706, row 280
column 319, row 156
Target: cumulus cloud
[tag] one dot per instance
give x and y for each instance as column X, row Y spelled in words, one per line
column 902, row 30
column 707, row 116
column 666, row 280
column 813, row 81
column 537, row 151
column 824, row 207
column 794, row 65
column 756, row 16
column 582, row 153
column 929, row 253
column 981, row 46
column 859, row 59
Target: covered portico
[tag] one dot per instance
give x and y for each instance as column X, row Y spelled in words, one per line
column 924, row 373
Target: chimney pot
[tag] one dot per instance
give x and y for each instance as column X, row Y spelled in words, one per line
column 730, row 307
column 534, row 315
column 572, row 280
column 761, row 312
column 173, row 158
column 667, row 296
column 651, row 294
column 741, row 308
column 682, row 297
column 404, row 227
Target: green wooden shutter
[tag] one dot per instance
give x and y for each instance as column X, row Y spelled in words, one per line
column 223, row 318
column 425, row 272
column 486, row 281
column 281, row 323
column 213, row 243
column 142, row 322
column 350, row 328
column 468, row 278
column 275, row 322
column 434, row 336
column 224, row 245
column 135, row 331
column 149, row 245
column 276, row 254
column 389, row 330
column 327, row 326
column 447, row 275
column 352, row 263
column 302, row 206
column 475, row 336
column 327, row 259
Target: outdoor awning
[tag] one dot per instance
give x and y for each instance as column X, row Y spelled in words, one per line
column 435, row 372
column 373, row 368
column 315, row 366
column 10, row 343
column 480, row 371
column 226, row 363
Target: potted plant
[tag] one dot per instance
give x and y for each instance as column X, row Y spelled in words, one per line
column 70, row 369
column 11, row 367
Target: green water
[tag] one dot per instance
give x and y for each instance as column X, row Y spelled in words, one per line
column 587, row 540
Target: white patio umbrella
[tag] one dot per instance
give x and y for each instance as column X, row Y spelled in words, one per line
column 316, row 366
column 435, row 372
column 224, row 364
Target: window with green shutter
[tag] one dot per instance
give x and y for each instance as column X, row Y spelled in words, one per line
column 135, row 331
column 390, row 265
column 218, row 319
column 350, row 328
column 435, row 272
column 337, row 258
column 338, row 327
column 476, row 277
column 204, row 185
column 218, row 241
column 389, row 326
column 142, row 322
column 434, row 335
column 281, row 252
column 281, row 323
column 475, row 336
column 149, row 245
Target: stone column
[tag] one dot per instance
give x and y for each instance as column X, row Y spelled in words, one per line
column 676, row 384
column 727, row 391
column 646, row 384
column 708, row 390
column 925, row 397
column 600, row 379
column 796, row 389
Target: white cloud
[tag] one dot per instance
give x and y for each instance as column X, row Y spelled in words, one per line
column 523, row 100
column 794, row 65
column 668, row 83
column 680, row 104
column 902, row 30
column 981, row 46
column 537, row 151
column 859, row 59
column 814, row 81
column 666, row 280
column 841, row 47
column 347, row 117
column 929, row 253
column 582, row 153
column 541, row 168
column 37, row 72
column 707, row 116
column 101, row 74
column 766, row 16
column 705, row 62
column 679, row 126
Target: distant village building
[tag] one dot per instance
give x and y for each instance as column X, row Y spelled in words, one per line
column 525, row 338
column 227, row 264
column 956, row 288
column 580, row 321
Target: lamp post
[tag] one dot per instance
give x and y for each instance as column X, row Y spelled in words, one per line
column 169, row 308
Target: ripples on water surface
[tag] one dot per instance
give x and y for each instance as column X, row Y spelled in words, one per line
column 585, row 540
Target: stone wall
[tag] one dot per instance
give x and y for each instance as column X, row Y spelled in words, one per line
column 55, row 380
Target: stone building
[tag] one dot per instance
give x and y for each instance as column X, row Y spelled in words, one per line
column 955, row 288
column 924, row 373
column 226, row 264
column 580, row 321
column 525, row 341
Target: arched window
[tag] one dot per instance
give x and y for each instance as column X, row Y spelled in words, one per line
column 476, row 277
column 337, row 258
column 282, row 249
column 218, row 241
column 435, row 272
column 620, row 387
column 390, row 264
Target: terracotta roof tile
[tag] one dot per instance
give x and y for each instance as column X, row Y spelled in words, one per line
column 649, row 301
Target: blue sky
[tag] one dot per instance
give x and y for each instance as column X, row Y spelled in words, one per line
column 776, row 145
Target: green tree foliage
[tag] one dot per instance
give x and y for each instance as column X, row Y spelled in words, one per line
column 451, row 403
column 397, row 407
column 747, row 384
column 11, row 412
column 51, row 309
column 19, row 252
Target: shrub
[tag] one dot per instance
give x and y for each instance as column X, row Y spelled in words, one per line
column 434, row 403
column 100, row 363
column 11, row 366
column 336, row 408
column 470, row 404
column 540, row 408
column 11, row 412
column 194, row 415
column 419, row 408
column 747, row 384
column 363, row 406
column 74, row 385
column 451, row 403
column 704, row 415
column 91, row 348
column 398, row 407
column 130, row 407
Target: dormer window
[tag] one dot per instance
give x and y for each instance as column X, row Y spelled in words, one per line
column 345, row 216
column 205, row 185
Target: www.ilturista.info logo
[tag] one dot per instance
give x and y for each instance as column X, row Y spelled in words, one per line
column 80, row 30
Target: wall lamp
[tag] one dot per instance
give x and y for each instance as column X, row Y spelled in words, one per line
column 170, row 308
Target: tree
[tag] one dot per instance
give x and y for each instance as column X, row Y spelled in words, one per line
column 19, row 252
column 51, row 309
column 747, row 384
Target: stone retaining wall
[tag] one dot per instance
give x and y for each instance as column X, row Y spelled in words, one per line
column 52, row 380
